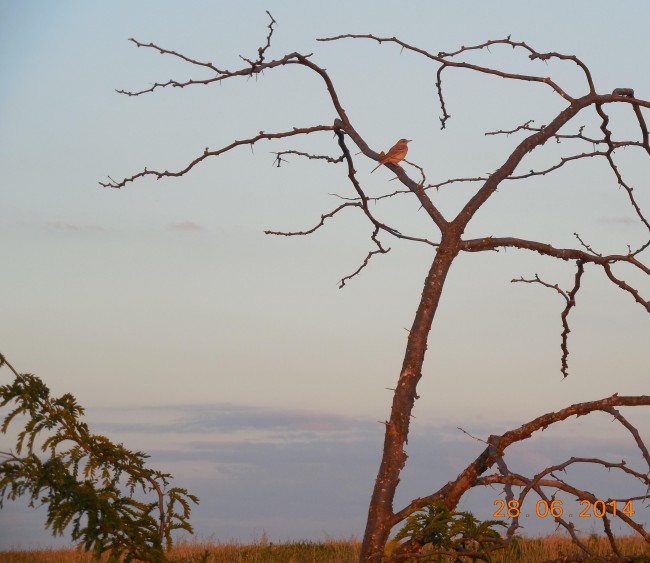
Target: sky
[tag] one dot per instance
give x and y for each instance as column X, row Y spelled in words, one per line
column 231, row 356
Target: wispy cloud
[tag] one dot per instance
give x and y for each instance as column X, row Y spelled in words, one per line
column 65, row 226
column 225, row 424
column 185, row 226
column 617, row 220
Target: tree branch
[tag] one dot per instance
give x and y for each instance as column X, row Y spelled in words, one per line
column 570, row 303
column 454, row 490
column 208, row 153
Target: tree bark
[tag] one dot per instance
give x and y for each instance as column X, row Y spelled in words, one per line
column 380, row 513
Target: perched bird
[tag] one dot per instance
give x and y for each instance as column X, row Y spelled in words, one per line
column 395, row 155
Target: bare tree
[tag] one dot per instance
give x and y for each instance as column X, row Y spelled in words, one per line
column 450, row 243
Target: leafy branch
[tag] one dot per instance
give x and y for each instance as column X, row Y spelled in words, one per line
column 436, row 530
column 112, row 500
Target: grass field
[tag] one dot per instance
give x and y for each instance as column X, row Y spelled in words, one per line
column 337, row 551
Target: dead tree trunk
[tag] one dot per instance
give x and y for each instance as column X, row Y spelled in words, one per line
column 380, row 516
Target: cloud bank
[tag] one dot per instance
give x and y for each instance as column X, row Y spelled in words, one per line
column 298, row 474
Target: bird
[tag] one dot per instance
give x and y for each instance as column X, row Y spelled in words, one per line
column 395, row 155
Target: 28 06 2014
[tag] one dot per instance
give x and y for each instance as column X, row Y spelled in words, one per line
column 555, row 509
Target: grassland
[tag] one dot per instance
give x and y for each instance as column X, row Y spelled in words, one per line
column 523, row 550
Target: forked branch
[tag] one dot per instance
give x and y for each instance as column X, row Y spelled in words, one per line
column 546, row 479
column 570, row 299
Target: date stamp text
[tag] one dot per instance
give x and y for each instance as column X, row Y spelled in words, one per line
column 554, row 509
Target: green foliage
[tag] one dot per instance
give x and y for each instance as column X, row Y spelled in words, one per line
column 437, row 527
column 105, row 492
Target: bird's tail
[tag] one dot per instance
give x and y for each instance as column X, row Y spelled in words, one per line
column 381, row 157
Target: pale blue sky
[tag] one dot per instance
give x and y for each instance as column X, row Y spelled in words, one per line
column 164, row 303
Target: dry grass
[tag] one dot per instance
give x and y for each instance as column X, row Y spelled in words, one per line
column 523, row 550
column 331, row 551
column 531, row 550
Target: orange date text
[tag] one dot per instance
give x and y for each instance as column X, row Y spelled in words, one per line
column 554, row 509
